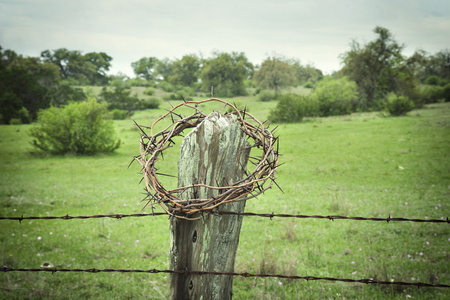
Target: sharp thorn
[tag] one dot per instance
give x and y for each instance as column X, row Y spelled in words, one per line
column 140, row 128
column 273, row 180
column 130, row 163
column 165, row 175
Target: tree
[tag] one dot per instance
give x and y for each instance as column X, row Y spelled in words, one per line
column 80, row 69
column 275, row 73
column 164, row 69
column 226, row 72
column 145, row 68
column 26, row 84
column 306, row 73
column 120, row 98
column 375, row 67
column 101, row 63
column 60, row 58
column 433, row 71
column 439, row 64
column 418, row 64
column 186, row 70
column 70, row 63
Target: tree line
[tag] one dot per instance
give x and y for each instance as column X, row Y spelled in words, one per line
column 375, row 76
column 28, row 84
column 229, row 73
column 370, row 73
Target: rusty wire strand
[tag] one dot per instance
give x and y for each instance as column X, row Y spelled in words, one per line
column 201, row 273
column 249, row 214
column 335, row 217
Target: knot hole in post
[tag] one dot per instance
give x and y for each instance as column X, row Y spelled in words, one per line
column 194, row 236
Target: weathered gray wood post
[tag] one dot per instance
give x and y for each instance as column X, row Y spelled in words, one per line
column 213, row 153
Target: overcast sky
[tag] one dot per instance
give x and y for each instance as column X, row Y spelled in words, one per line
column 315, row 31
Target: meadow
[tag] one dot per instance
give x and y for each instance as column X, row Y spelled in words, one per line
column 363, row 164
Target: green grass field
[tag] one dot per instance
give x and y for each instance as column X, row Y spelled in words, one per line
column 357, row 165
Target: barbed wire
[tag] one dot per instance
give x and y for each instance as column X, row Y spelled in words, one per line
column 336, row 217
column 67, row 217
column 201, row 273
column 264, row 215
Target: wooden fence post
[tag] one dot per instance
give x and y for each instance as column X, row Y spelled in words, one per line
column 213, row 153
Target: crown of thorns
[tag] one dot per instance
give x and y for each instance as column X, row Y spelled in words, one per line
column 152, row 146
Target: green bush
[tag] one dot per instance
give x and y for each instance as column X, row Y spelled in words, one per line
column 266, row 95
column 399, row 105
column 432, row 93
column 189, row 91
column 78, row 128
column 149, row 91
column 166, row 86
column 150, row 103
column 293, row 108
column 24, row 115
column 15, row 121
column 309, row 85
column 335, row 96
column 446, row 92
column 119, row 83
column 433, row 80
column 120, row 114
column 178, row 95
column 139, row 82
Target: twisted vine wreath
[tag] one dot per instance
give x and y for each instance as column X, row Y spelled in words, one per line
column 152, row 146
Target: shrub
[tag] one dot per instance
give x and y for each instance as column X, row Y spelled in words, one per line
column 149, row 91
column 446, row 92
column 139, row 82
column 78, row 128
column 266, row 95
column 432, row 93
column 433, row 80
column 150, row 103
column 120, row 114
column 24, row 115
column 15, row 121
column 179, row 95
column 190, row 91
column 293, row 108
column 309, row 85
column 335, row 96
column 119, row 83
column 399, row 105
column 166, row 86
